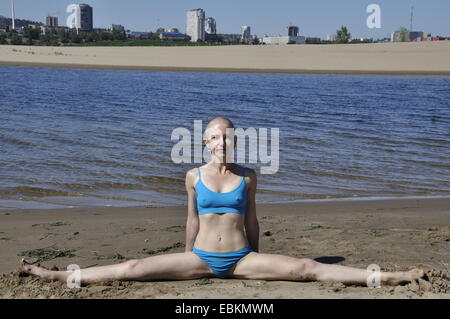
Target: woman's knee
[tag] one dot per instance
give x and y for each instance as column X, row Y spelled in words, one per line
column 129, row 267
column 305, row 269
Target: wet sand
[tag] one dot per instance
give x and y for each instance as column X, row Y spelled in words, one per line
column 395, row 234
column 422, row 58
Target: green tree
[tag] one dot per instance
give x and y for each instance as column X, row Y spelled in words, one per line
column 2, row 39
column 75, row 38
column 342, row 35
column 90, row 37
column 50, row 39
column 153, row 36
column 32, row 33
column 119, row 35
column 63, row 36
column 15, row 39
column 403, row 34
column 106, row 36
column 95, row 36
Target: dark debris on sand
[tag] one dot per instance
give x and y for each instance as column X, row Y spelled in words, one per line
column 45, row 254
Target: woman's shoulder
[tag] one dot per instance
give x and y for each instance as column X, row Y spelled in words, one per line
column 249, row 175
column 193, row 172
column 192, row 176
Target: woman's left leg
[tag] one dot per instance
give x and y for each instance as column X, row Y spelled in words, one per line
column 279, row 267
column 179, row 266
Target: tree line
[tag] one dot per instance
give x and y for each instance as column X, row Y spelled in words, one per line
column 58, row 36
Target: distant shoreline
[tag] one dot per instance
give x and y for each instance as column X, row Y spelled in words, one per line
column 305, row 201
column 220, row 70
column 422, row 58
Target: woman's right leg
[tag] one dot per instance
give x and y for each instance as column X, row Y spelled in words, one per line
column 280, row 267
column 182, row 266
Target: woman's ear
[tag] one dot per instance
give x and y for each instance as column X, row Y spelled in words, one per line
column 206, row 142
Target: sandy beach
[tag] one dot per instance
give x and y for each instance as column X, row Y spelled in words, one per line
column 397, row 234
column 423, row 58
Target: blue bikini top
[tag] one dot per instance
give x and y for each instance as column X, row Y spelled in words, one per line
column 209, row 202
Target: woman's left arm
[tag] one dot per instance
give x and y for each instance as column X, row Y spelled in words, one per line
column 251, row 221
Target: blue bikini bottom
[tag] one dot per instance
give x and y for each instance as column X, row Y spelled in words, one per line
column 221, row 263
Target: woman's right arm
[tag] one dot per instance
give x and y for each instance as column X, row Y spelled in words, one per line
column 193, row 222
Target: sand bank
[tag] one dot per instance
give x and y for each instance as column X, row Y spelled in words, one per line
column 395, row 234
column 423, row 58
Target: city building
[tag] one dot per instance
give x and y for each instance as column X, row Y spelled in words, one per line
column 210, row 26
column 84, row 21
column 406, row 36
column 292, row 37
column 229, row 38
column 429, row 37
column 137, row 34
column 115, row 27
column 414, row 35
column 362, row 40
column 293, row 31
column 313, row 40
column 331, row 37
column 246, row 34
column 196, row 25
column 211, row 30
column 51, row 21
column 173, row 36
column 55, row 30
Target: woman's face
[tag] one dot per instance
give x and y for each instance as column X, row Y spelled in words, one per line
column 220, row 140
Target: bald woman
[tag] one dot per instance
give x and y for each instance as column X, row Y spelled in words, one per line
column 222, row 234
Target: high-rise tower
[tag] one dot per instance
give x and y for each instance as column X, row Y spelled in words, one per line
column 51, row 21
column 292, row 31
column 196, row 25
column 210, row 26
column 85, row 21
column 246, row 34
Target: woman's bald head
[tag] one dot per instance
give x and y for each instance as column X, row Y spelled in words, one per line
column 220, row 120
column 218, row 138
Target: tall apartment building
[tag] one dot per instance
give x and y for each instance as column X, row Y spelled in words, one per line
column 115, row 27
column 246, row 34
column 196, row 25
column 210, row 26
column 85, row 21
column 51, row 21
column 292, row 31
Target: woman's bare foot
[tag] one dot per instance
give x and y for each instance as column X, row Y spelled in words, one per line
column 398, row 278
column 416, row 273
column 35, row 270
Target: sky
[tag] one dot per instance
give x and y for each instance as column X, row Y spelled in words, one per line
column 315, row 18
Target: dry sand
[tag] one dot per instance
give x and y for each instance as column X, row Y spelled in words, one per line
column 432, row 58
column 395, row 234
